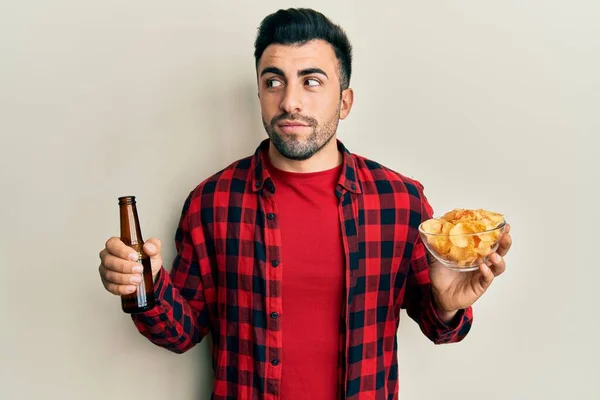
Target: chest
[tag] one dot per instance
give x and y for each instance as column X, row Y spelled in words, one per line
column 371, row 235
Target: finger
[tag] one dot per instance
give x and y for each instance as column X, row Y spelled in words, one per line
column 117, row 248
column 113, row 287
column 152, row 247
column 498, row 265
column 507, row 229
column 122, row 266
column 118, row 290
column 119, row 278
column 504, row 245
column 486, row 276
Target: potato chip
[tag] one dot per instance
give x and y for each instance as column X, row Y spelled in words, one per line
column 489, row 236
column 484, row 248
column 441, row 244
column 466, row 254
column 476, row 226
column 495, row 218
column 433, row 226
column 447, row 227
column 459, row 235
column 453, row 215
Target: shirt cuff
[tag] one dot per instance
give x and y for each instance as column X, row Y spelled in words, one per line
column 162, row 281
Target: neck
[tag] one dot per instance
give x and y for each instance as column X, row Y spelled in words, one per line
column 327, row 158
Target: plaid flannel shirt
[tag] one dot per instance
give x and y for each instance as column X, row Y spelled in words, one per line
column 227, row 278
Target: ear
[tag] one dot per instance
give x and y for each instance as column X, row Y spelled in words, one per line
column 347, row 101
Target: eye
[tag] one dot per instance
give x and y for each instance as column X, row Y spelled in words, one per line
column 273, row 83
column 313, row 82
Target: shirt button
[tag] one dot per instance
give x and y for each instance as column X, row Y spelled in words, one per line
column 275, row 363
column 270, row 216
column 274, row 315
column 257, row 184
column 353, row 186
column 275, row 263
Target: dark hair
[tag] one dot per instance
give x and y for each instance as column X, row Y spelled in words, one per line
column 301, row 25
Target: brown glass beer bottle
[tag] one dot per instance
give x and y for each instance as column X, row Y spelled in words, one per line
column 142, row 299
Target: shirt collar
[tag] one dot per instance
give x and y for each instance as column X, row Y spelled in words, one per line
column 262, row 179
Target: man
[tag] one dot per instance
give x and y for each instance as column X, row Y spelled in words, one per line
column 298, row 259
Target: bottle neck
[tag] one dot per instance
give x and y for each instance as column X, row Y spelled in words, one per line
column 131, row 233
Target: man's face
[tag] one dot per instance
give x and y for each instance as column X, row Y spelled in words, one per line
column 299, row 92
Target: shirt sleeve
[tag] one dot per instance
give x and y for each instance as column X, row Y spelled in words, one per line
column 180, row 318
column 418, row 298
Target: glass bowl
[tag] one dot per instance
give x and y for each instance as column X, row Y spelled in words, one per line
column 464, row 251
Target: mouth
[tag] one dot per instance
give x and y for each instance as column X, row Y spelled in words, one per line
column 294, row 124
column 292, row 127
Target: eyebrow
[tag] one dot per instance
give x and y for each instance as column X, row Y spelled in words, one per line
column 302, row 72
column 310, row 71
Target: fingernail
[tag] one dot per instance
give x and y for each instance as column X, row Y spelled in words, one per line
column 138, row 269
column 133, row 257
column 130, row 288
column 496, row 257
column 136, row 279
column 150, row 247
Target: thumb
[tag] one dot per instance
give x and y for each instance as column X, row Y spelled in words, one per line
column 152, row 249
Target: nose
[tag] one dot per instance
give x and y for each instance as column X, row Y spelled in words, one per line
column 292, row 100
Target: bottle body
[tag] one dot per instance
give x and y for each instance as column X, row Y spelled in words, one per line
column 142, row 299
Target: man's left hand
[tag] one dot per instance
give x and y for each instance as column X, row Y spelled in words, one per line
column 454, row 290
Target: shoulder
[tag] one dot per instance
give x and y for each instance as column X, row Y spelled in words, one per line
column 236, row 177
column 380, row 179
column 383, row 185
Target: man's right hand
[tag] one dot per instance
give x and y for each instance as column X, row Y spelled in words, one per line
column 119, row 269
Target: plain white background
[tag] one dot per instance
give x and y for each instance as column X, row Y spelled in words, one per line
column 489, row 104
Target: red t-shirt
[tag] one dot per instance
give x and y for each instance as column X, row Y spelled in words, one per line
column 313, row 282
